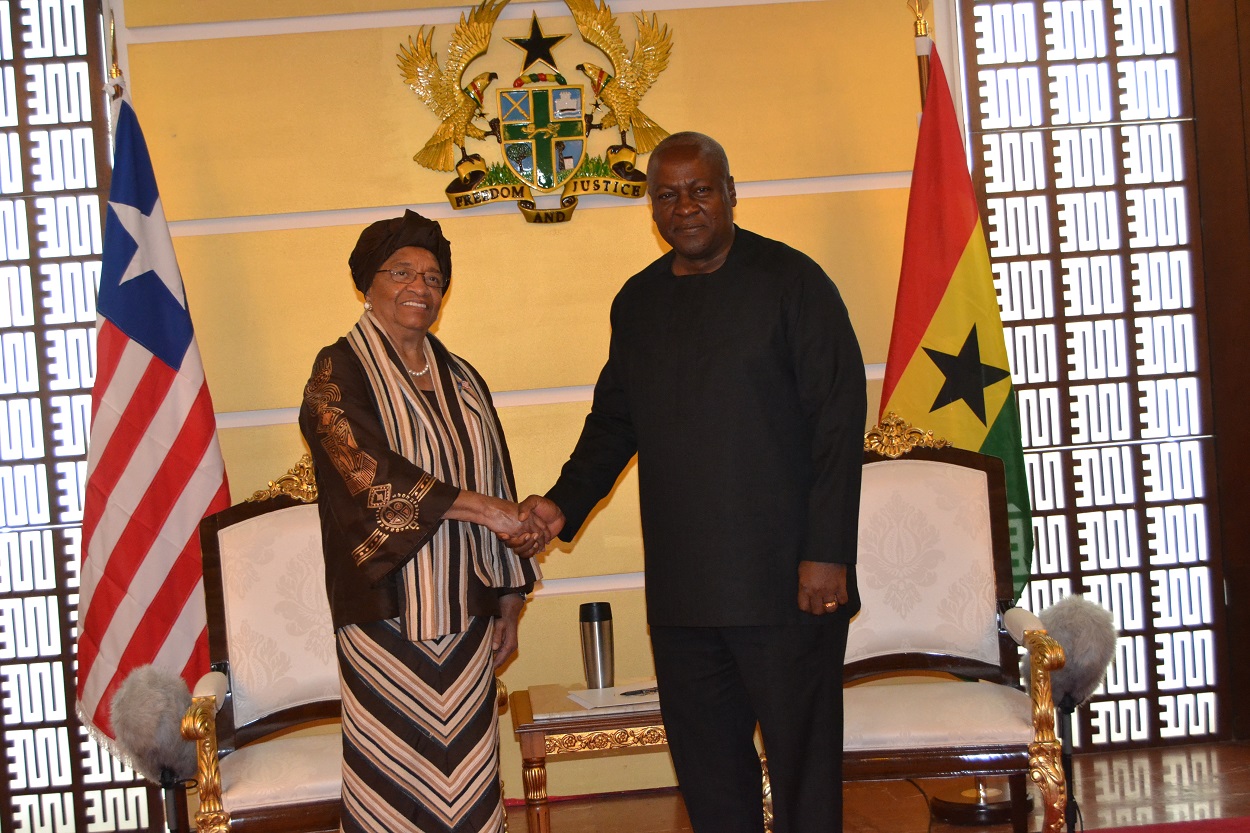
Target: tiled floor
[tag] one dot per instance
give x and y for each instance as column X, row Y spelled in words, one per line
column 1114, row 789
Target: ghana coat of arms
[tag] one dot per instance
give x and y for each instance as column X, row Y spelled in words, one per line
column 541, row 122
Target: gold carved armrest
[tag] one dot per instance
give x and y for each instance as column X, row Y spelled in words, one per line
column 199, row 724
column 1045, row 752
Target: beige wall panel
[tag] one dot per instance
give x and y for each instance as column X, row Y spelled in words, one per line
column 171, row 12
column 797, row 90
column 263, row 304
column 550, row 652
column 255, row 456
column 299, row 123
column 529, row 305
column 540, row 438
column 323, row 121
column 857, row 237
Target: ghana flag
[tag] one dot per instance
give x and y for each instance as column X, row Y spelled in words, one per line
column 947, row 370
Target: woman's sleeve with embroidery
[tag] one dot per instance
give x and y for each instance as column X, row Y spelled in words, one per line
column 386, row 505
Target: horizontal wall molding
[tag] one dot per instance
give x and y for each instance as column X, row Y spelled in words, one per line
column 589, row 584
column 892, row 180
column 502, row 399
column 269, row 27
column 257, row 419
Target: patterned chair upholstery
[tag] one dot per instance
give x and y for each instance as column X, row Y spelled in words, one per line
column 932, row 661
column 265, row 720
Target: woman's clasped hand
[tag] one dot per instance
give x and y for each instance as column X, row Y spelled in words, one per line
column 533, row 534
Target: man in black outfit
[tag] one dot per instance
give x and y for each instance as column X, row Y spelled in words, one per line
column 734, row 374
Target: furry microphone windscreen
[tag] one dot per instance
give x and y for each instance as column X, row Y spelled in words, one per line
column 147, row 717
column 1086, row 633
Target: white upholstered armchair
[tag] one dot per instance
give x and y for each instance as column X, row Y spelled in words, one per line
column 265, row 720
column 931, row 661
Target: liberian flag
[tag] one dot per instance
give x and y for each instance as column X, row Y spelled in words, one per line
column 154, row 468
column 947, row 370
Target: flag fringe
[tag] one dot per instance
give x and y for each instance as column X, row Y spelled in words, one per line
column 107, row 743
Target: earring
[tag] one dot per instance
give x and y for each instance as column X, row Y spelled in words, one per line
column 368, row 305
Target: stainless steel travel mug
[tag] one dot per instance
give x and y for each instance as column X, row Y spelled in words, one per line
column 597, row 656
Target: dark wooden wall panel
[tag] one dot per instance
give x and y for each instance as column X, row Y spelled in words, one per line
column 1220, row 41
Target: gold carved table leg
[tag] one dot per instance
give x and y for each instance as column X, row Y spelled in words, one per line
column 534, row 778
column 537, row 813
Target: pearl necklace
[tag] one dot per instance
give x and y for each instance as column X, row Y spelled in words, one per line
column 414, row 374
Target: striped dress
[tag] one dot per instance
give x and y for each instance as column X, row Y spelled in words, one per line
column 412, row 595
column 420, row 730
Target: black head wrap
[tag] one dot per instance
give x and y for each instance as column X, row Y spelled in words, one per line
column 385, row 237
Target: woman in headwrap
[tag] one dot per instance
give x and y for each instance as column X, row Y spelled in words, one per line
column 417, row 516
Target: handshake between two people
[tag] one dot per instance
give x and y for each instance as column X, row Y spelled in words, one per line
column 526, row 527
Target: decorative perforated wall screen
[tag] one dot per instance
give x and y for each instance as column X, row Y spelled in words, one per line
column 1082, row 146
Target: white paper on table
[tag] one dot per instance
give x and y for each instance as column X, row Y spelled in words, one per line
column 642, row 692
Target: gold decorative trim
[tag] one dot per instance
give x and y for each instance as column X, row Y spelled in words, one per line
column 299, row 482
column 599, row 741
column 894, row 436
column 199, row 724
column 767, row 789
column 357, row 468
column 534, row 779
column 1045, row 752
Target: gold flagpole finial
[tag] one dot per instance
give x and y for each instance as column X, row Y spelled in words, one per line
column 921, row 31
column 919, row 8
column 115, row 69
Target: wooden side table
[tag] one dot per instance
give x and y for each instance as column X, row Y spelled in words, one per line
column 568, row 734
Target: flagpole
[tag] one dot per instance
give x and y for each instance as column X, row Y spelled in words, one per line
column 920, row 29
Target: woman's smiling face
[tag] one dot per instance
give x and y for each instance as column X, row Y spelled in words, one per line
column 405, row 310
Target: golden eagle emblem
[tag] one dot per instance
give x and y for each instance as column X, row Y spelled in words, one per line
column 440, row 87
column 629, row 79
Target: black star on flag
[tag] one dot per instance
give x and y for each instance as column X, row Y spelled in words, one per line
column 966, row 377
column 537, row 46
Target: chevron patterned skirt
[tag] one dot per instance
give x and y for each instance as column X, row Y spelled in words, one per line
column 420, row 731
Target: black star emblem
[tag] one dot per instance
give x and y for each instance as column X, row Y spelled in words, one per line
column 966, row 377
column 537, row 46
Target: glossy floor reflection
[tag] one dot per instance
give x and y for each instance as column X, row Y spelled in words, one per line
column 1114, row 789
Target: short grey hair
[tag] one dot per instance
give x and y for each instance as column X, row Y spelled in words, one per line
column 706, row 146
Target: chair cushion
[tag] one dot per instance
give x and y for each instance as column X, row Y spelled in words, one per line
column 935, row 714
column 293, row 769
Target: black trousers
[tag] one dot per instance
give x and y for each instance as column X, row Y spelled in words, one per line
column 716, row 684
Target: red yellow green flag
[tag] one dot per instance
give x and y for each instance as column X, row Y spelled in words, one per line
column 947, row 370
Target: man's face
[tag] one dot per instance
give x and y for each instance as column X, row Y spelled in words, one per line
column 692, row 201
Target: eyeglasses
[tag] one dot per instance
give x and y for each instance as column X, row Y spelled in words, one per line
column 434, row 280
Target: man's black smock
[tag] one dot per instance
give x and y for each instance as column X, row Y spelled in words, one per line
column 742, row 392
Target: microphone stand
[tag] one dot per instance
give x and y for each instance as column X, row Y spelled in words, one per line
column 1071, row 812
column 175, row 800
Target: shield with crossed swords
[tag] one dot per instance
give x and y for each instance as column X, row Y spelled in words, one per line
column 544, row 134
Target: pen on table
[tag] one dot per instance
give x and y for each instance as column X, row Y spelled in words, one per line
column 638, row 691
